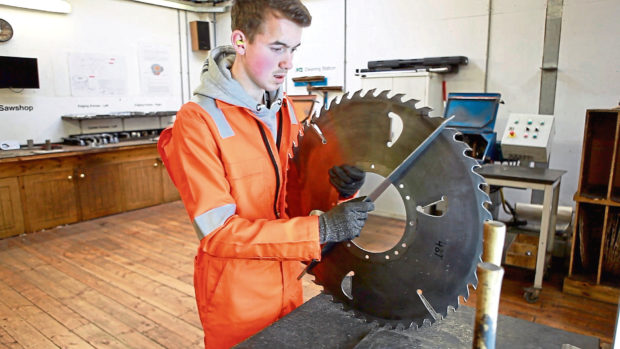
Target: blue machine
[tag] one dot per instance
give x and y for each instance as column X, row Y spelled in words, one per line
column 475, row 115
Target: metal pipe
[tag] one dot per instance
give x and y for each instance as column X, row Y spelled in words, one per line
column 487, row 303
column 494, row 234
column 488, row 48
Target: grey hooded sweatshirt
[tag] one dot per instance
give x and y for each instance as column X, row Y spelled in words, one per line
column 217, row 82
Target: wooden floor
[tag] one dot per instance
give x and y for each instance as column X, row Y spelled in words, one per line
column 126, row 281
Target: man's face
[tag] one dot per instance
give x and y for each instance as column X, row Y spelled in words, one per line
column 269, row 57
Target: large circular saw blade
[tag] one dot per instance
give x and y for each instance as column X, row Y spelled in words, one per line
column 421, row 276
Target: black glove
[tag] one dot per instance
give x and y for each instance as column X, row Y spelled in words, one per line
column 346, row 179
column 345, row 221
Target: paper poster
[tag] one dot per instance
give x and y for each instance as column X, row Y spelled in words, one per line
column 155, row 70
column 94, row 74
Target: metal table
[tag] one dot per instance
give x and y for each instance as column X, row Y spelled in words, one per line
column 319, row 323
column 543, row 179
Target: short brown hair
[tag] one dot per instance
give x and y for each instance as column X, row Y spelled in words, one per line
column 249, row 15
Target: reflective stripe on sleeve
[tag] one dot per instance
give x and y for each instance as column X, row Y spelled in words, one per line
column 291, row 112
column 207, row 222
column 208, row 104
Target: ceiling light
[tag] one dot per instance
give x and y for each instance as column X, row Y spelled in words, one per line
column 193, row 6
column 60, row 6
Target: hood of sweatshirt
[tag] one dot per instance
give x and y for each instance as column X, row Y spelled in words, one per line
column 217, row 82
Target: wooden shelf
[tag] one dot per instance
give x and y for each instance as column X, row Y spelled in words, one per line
column 325, row 88
column 594, row 269
column 596, row 201
column 582, row 286
column 315, row 78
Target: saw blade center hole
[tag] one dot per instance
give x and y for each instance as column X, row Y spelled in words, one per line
column 386, row 225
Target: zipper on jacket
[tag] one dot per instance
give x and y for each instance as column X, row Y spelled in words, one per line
column 275, row 166
column 279, row 127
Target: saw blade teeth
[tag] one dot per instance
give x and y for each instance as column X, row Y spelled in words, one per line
column 425, row 110
column 465, row 292
column 398, row 97
column 357, row 94
column 337, row 100
column 370, row 93
column 383, row 94
column 345, row 97
column 411, row 103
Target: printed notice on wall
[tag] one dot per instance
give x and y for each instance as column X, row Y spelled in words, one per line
column 155, row 70
column 97, row 74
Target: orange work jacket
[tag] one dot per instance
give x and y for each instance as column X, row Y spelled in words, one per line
column 232, row 179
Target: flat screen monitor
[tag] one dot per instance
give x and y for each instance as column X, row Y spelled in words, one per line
column 18, row 72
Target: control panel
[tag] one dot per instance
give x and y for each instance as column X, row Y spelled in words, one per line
column 528, row 137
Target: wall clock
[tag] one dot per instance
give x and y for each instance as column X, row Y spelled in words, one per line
column 6, row 31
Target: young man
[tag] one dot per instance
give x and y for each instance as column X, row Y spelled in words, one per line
column 227, row 154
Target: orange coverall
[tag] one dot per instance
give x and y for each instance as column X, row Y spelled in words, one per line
column 246, row 267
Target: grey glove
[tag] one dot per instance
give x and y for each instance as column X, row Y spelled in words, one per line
column 346, row 179
column 345, row 221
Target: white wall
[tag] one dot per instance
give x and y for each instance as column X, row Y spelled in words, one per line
column 588, row 78
column 401, row 29
column 115, row 28
column 588, row 74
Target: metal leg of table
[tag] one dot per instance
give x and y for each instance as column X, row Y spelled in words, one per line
column 554, row 215
column 545, row 240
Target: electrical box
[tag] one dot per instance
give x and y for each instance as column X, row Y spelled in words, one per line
column 528, row 137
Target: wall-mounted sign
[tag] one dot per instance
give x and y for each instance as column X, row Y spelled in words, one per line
column 19, row 107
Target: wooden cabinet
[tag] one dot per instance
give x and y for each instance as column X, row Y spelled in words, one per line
column 11, row 217
column 44, row 191
column 99, row 190
column 49, row 200
column 142, row 183
column 594, row 269
column 170, row 192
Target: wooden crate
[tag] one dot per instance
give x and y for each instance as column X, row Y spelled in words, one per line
column 522, row 251
column 592, row 270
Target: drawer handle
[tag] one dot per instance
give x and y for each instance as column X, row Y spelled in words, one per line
column 155, row 164
column 69, row 177
column 82, row 175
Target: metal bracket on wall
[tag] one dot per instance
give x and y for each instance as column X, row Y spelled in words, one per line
column 549, row 71
column 551, row 52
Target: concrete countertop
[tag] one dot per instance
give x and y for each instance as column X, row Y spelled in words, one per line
column 69, row 150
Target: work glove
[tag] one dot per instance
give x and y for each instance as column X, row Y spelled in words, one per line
column 346, row 179
column 345, row 221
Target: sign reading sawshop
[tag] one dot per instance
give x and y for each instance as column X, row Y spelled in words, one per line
column 18, row 107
